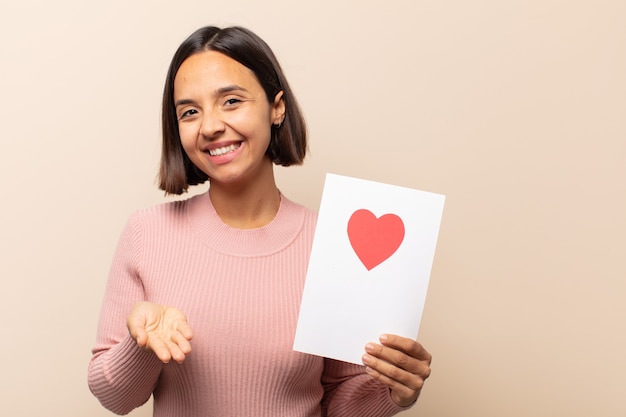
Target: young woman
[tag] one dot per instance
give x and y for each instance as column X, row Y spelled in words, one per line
column 203, row 295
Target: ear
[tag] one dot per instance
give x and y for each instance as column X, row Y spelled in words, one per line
column 278, row 109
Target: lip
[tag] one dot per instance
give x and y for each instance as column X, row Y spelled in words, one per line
column 222, row 144
column 224, row 158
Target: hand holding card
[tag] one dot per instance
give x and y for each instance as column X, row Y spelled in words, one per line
column 400, row 363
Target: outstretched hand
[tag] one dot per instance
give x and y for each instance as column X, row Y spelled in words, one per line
column 400, row 363
column 160, row 329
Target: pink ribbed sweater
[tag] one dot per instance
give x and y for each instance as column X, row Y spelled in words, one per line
column 240, row 290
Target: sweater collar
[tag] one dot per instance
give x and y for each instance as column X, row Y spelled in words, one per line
column 271, row 238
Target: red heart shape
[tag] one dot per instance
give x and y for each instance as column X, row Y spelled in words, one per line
column 374, row 239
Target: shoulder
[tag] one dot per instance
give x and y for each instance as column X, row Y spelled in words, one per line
column 170, row 212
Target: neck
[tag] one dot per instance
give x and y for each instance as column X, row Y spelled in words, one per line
column 248, row 206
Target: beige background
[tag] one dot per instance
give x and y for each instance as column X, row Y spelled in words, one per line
column 513, row 109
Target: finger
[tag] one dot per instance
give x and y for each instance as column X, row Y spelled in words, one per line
column 178, row 341
column 388, row 357
column 405, row 387
column 175, row 346
column 138, row 320
column 182, row 343
column 136, row 328
column 176, row 352
column 139, row 335
column 406, row 345
column 393, row 375
column 179, row 347
column 160, row 348
column 185, row 330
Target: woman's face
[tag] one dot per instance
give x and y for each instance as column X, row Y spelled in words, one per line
column 224, row 117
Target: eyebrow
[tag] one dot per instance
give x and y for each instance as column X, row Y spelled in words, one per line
column 220, row 91
column 183, row 102
column 230, row 88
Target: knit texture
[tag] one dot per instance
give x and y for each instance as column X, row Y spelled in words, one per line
column 240, row 291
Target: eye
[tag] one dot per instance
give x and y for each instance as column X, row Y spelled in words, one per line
column 188, row 113
column 232, row 102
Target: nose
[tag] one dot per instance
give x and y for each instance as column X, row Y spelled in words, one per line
column 212, row 124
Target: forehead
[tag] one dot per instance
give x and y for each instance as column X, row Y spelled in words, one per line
column 212, row 70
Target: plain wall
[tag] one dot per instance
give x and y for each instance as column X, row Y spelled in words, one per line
column 515, row 110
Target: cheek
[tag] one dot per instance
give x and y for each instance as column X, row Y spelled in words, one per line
column 187, row 137
column 254, row 123
column 190, row 148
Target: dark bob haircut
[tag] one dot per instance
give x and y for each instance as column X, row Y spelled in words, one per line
column 288, row 142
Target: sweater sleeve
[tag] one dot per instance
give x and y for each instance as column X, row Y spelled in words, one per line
column 121, row 375
column 350, row 392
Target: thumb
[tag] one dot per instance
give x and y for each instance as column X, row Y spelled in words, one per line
column 136, row 325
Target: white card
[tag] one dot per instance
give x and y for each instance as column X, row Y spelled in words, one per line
column 369, row 268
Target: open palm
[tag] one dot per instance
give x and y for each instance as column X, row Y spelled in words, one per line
column 161, row 329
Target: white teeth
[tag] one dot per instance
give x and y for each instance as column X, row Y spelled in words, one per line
column 223, row 150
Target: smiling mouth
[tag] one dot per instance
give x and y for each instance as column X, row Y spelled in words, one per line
column 224, row 149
